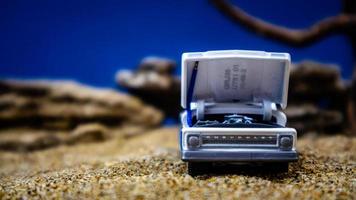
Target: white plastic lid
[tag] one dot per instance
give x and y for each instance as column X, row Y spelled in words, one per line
column 236, row 76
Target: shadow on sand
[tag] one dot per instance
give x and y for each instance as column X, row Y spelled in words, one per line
column 276, row 172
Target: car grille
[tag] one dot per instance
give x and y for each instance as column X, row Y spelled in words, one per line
column 239, row 140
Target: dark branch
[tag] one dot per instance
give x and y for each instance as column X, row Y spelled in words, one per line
column 337, row 24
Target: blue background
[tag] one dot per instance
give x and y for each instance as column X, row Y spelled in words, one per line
column 90, row 40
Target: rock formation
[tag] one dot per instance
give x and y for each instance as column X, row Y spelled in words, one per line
column 41, row 114
column 155, row 83
column 317, row 98
column 64, row 105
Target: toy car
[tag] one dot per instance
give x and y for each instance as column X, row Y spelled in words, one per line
column 233, row 103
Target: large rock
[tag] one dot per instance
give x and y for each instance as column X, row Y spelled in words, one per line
column 317, row 83
column 65, row 105
column 155, row 83
column 317, row 98
column 310, row 118
column 20, row 139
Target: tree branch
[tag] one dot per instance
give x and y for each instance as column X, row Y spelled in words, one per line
column 337, row 24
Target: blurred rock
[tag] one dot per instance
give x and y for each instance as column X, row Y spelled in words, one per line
column 37, row 115
column 18, row 139
column 158, row 65
column 65, row 105
column 28, row 140
column 317, row 98
column 87, row 133
column 309, row 118
column 317, row 83
column 155, row 83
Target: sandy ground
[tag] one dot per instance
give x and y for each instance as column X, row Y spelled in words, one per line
column 148, row 167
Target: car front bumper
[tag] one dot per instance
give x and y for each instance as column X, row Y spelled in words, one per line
column 239, row 155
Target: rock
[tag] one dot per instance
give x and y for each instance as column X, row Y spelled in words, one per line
column 319, row 96
column 157, row 64
column 316, row 83
column 154, row 83
column 309, row 118
column 88, row 133
column 37, row 115
column 65, row 105
column 26, row 140
column 23, row 140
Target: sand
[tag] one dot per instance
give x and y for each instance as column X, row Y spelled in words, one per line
column 148, row 167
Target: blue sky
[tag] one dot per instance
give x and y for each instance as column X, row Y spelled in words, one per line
column 89, row 41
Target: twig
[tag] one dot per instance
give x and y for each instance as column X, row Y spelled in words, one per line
column 337, row 24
